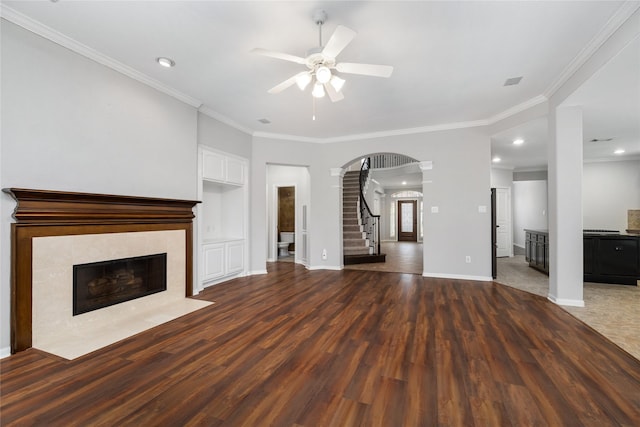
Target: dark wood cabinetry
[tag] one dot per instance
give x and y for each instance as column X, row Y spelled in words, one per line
column 608, row 258
column 537, row 249
column 611, row 258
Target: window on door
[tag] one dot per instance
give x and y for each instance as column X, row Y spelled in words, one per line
column 407, row 220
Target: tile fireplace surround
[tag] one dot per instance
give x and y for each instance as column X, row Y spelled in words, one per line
column 55, row 230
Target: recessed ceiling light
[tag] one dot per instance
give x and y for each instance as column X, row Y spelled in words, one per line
column 496, row 159
column 619, row 151
column 518, row 141
column 404, row 182
column 165, row 62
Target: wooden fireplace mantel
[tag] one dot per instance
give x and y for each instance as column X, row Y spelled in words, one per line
column 42, row 213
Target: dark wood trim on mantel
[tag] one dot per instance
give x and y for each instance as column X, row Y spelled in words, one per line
column 41, row 213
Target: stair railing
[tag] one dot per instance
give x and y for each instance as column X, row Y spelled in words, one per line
column 370, row 222
column 389, row 160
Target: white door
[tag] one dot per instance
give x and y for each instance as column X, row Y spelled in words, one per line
column 503, row 221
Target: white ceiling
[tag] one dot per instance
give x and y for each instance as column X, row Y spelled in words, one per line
column 450, row 58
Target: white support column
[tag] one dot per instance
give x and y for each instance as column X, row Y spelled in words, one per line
column 565, row 207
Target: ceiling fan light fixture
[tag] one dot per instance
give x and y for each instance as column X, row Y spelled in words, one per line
column 318, row 90
column 303, row 80
column 337, row 83
column 323, row 74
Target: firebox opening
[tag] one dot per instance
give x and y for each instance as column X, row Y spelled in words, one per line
column 105, row 283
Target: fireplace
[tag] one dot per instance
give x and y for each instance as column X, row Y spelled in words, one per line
column 105, row 283
column 56, row 234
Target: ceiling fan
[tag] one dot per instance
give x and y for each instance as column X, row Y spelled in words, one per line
column 322, row 66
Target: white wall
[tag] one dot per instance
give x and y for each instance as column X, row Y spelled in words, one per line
column 501, row 177
column 609, row 189
column 458, row 183
column 220, row 136
column 529, row 208
column 71, row 124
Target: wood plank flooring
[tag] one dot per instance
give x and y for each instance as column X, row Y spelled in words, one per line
column 339, row 348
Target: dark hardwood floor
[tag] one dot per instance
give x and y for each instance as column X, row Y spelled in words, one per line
column 324, row 348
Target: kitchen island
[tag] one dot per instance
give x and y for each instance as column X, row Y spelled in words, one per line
column 609, row 256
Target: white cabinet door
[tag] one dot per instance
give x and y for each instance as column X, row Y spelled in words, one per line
column 214, row 261
column 235, row 171
column 235, row 257
column 213, row 166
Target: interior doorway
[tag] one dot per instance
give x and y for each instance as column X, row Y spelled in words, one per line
column 286, row 227
column 407, row 221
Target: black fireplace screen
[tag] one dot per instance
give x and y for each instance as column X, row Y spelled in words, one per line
column 101, row 284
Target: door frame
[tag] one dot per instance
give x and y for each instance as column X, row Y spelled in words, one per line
column 274, row 221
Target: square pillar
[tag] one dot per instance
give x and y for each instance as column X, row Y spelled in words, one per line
column 565, row 206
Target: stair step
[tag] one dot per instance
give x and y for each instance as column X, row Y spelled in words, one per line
column 361, row 259
column 352, row 228
column 354, row 243
column 353, row 235
column 355, row 251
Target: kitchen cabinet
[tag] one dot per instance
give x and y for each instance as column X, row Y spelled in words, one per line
column 537, row 249
column 611, row 258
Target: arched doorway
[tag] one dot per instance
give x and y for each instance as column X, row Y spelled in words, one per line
column 389, row 174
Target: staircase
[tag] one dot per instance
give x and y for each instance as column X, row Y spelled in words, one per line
column 355, row 244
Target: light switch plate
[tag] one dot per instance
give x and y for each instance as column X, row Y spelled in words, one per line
column 482, row 209
column 434, row 209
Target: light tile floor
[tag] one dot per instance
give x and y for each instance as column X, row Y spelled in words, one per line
column 612, row 310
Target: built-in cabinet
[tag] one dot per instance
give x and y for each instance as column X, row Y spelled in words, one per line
column 222, row 217
column 221, row 259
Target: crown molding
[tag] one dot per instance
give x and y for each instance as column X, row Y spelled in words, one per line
column 373, row 135
column 619, row 17
column 48, row 33
column 224, row 119
column 517, row 109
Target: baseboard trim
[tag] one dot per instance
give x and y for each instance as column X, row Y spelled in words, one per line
column 5, row 352
column 256, row 272
column 567, row 302
column 458, row 277
column 325, row 267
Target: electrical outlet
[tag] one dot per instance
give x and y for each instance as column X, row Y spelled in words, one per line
column 324, row 254
column 468, row 259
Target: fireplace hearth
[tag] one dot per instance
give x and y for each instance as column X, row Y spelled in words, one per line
column 102, row 284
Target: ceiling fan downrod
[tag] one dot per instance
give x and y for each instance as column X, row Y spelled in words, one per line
column 319, row 17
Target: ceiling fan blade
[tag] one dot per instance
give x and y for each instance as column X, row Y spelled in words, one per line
column 278, row 55
column 365, row 69
column 285, row 84
column 333, row 94
column 340, row 38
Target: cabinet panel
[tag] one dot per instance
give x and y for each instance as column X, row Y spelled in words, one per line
column 213, row 258
column 235, row 171
column 235, row 257
column 619, row 257
column 213, row 166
